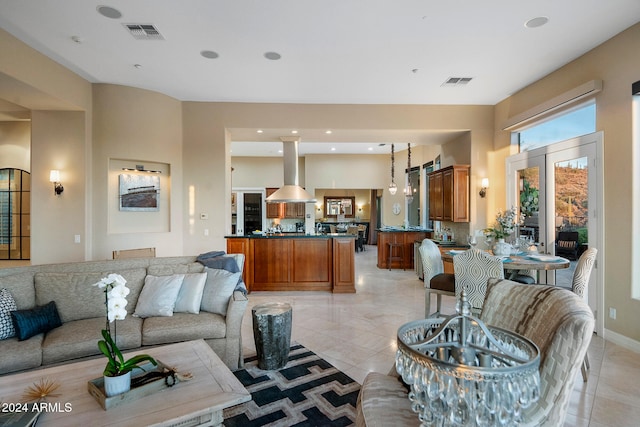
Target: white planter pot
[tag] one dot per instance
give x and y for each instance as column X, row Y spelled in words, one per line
column 117, row 385
column 501, row 248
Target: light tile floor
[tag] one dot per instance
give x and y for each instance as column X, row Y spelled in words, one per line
column 357, row 334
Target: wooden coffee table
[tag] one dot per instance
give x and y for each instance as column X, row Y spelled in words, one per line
column 198, row 402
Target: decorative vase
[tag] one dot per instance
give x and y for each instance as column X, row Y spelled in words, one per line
column 501, row 248
column 117, row 385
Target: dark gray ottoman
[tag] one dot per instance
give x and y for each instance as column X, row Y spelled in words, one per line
column 272, row 334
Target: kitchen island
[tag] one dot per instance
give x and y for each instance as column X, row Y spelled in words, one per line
column 297, row 262
column 405, row 240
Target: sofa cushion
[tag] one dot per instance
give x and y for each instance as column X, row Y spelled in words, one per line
column 79, row 338
column 7, row 305
column 158, row 296
column 75, row 295
column 17, row 355
column 169, row 269
column 190, row 295
column 35, row 320
column 22, row 289
column 183, row 327
column 218, row 289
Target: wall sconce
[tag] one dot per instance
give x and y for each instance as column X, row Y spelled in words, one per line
column 54, row 176
column 484, row 185
column 359, row 208
column 318, row 207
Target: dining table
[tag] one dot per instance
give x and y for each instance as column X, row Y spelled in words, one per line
column 517, row 263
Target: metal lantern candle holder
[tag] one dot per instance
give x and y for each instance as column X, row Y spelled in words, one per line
column 464, row 373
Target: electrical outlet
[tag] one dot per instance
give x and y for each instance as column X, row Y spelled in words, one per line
column 76, row 238
column 206, row 231
column 612, row 313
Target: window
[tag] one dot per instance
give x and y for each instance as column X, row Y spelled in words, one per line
column 578, row 122
column 15, row 185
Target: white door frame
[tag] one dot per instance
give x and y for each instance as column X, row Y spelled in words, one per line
column 590, row 146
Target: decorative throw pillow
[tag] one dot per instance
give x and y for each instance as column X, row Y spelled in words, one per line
column 7, row 304
column 158, row 296
column 218, row 289
column 190, row 295
column 32, row 322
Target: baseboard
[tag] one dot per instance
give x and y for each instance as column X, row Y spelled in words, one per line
column 622, row 340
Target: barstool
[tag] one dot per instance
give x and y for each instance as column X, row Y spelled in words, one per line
column 399, row 257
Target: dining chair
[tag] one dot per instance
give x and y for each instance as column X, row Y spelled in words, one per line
column 579, row 283
column 435, row 279
column 353, row 231
column 472, row 269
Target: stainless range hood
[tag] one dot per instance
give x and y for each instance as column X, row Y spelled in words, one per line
column 291, row 191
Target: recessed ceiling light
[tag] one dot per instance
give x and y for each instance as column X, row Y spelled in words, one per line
column 294, row 131
column 77, row 39
column 259, row 131
column 274, row 56
column 209, row 54
column 279, row 151
column 370, row 148
column 138, row 66
column 333, row 148
column 415, row 70
column 109, row 12
column 536, row 22
column 328, row 132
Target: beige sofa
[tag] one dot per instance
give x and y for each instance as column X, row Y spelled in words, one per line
column 82, row 312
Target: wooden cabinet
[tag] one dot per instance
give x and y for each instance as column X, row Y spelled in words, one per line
column 274, row 210
column 449, row 194
column 295, row 210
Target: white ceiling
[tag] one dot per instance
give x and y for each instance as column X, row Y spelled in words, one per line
column 332, row 51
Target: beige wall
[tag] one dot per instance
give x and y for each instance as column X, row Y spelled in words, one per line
column 615, row 62
column 136, row 127
column 15, row 145
column 58, row 142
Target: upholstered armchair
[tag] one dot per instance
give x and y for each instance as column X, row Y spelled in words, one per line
column 559, row 322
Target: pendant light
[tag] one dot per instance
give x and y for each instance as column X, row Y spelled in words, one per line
column 408, row 192
column 392, row 187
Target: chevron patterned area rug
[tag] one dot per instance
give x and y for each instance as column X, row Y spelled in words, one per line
column 308, row 391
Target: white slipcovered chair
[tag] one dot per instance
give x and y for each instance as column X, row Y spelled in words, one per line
column 435, row 279
column 472, row 269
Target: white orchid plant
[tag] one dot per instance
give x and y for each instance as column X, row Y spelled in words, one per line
column 506, row 223
column 115, row 294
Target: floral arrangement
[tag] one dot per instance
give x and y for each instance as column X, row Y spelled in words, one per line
column 115, row 294
column 506, row 223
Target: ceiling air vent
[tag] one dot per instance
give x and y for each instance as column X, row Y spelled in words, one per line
column 144, row 31
column 457, row 81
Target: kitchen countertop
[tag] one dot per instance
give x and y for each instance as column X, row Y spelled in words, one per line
column 292, row 236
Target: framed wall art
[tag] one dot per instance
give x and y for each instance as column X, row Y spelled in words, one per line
column 139, row 192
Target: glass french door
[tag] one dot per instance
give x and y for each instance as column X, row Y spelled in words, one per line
column 558, row 189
